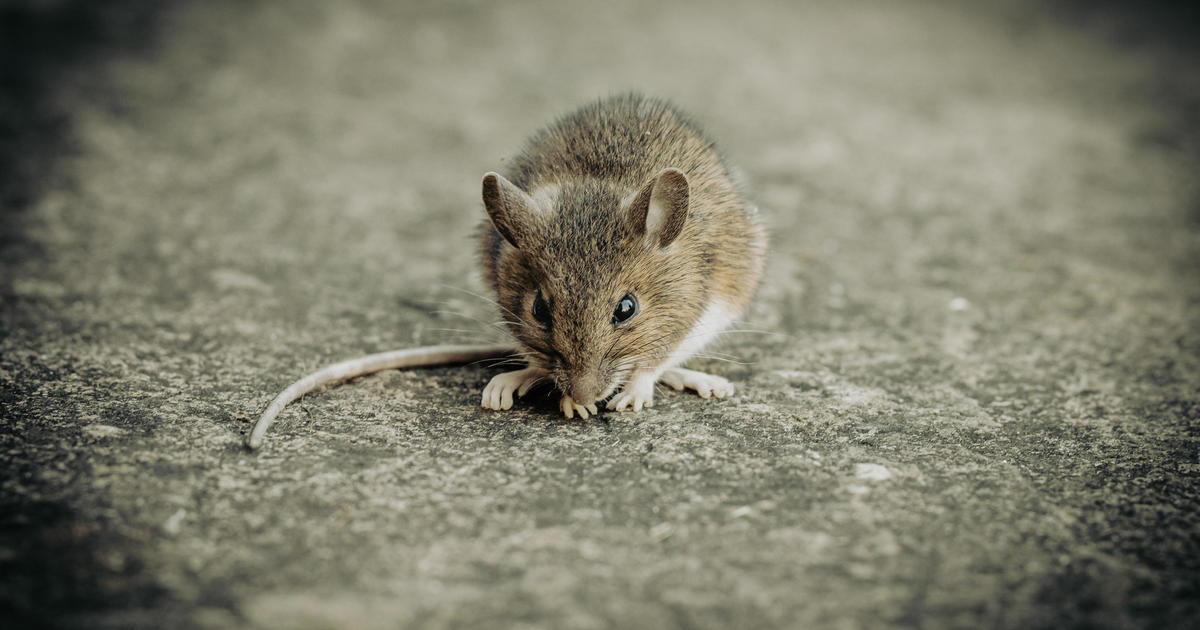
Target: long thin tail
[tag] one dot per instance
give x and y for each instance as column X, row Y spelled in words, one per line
column 410, row 358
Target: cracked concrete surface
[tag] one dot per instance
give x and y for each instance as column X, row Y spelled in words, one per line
column 968, row 388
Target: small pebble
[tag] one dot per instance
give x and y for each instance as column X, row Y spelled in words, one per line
column 872, row 472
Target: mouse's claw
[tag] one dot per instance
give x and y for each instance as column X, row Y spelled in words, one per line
column 569, row 408
column 630, row 401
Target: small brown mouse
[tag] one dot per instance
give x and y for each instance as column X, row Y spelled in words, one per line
column 618, row 246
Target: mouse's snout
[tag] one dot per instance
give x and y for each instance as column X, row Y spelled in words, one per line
column 585, row 390
column 584, row 384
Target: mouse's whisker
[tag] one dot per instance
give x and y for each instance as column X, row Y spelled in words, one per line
column 496, row 362
column 713, row 352
column 711, row 357
column 474, row 335
column 504, row 363
column 504, row 322
column 484, row 298
column 461, row 315
column 749, row 331
column 454, row 313
column 467, row 316
column 468, row 292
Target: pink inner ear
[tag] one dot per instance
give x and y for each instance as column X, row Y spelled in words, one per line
column 667, row 206
column 507, row 206
column 639, row 207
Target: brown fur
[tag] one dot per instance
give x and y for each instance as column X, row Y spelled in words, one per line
column 582, row 243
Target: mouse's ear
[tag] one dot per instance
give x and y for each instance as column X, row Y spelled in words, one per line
column 660, row 209
column 509, row 207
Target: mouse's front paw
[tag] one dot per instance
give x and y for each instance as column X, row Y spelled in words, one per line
column 705, row 385
column 499, row 391
column 639, row 393
column 570, row 408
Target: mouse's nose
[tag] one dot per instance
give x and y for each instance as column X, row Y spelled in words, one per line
column 584, row 389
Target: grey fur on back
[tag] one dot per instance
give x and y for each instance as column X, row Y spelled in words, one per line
column 624, row 139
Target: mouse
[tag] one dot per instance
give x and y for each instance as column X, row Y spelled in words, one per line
column 617, row 244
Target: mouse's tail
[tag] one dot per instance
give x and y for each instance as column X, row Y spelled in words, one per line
column 410, row 358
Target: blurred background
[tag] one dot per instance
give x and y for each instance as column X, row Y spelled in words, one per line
column 970, row 399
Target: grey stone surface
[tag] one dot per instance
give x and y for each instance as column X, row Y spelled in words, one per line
column 968, row 390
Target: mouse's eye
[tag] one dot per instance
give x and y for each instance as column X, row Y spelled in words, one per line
column 626, row 309
column 540, row 310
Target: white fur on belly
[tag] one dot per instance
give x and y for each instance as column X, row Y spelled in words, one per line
column 716, row 318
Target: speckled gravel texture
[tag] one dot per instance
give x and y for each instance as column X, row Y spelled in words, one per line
column 968, row 391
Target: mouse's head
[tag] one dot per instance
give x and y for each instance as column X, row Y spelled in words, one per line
column 595, row 282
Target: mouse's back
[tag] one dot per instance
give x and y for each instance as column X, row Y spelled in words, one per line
column 623, row 139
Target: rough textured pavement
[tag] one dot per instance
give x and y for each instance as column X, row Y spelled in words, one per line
column 968, row 390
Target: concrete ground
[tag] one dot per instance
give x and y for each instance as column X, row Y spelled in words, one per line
column 969, row 388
